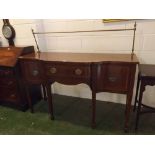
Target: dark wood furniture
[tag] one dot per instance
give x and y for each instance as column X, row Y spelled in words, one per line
column 102, row 72
column 146, row 77
column 12, row 88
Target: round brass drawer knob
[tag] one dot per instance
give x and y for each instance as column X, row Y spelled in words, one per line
column 78, row 71
column 10, row 83
column 35, row 72
column 53, row 70
column 112, row 79
column 12, row 95
column 7, row 72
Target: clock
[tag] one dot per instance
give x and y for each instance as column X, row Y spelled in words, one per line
column 8, row 32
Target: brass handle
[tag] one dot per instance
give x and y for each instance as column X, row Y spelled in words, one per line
column 12, row 95
column 10, row 83
column 78, row 71
column 7, row 72
column 112, row 78
column 53, row 70
column 35, row 72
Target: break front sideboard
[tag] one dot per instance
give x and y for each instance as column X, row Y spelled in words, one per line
column 12, row 88
column 113, row 73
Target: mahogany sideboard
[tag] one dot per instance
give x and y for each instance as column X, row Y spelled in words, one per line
column 12, row 88
column 101, row 72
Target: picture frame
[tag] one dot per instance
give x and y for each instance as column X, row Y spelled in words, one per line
column 114, row 20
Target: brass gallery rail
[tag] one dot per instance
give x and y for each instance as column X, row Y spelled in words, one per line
column 57, row 32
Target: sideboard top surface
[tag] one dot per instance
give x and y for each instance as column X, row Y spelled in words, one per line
column 82, row 57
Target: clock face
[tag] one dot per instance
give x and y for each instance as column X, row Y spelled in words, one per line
column 7, row 32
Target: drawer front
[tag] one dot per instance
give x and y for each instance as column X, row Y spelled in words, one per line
column 32, row 71
column 11, row 95
column 61, row 72
column 7, row 82
column 113, row 77
column 6, row 72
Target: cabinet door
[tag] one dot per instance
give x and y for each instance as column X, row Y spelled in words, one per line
column 113, row 77
column 32, row 71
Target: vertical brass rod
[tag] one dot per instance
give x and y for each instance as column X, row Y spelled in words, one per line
column 35, row 41
column 133, row 44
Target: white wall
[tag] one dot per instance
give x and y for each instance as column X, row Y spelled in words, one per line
column 112, row 42
column 24, row 35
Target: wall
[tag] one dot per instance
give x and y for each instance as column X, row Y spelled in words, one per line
column 101, row 42
column 24, row 35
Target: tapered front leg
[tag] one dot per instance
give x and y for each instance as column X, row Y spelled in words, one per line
column 93, row 124
column 44, row 92
column 142, row 88
column 129, row 98
column 137, row 90
column 50, row 103
column 127, row 112
column 29, row 98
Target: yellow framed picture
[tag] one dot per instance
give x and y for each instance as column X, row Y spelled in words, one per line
column 114, row 20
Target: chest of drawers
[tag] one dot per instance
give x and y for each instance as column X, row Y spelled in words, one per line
column 12, row 88
column 8, row 85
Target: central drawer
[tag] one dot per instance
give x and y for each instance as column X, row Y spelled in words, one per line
column 67, row 72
